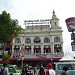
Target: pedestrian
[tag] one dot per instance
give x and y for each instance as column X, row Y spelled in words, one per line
column 27, row 66
column 50, row 70
column 37, row 70
column 65, row 71
column 4, row 69
column 34, row 69
column 41, row 71
column 24, row 71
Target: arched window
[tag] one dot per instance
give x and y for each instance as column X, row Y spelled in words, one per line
column 56, row 39
column 18, row 40
column 46, row 40
column 37, row 40
column 28, row 40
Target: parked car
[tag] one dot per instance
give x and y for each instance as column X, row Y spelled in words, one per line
column 12, row 69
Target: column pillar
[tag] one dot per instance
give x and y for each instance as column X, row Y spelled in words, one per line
column 52, row 48
column 32, row 48
column 42, row 46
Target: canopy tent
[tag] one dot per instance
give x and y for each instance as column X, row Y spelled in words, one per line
column 67, row 57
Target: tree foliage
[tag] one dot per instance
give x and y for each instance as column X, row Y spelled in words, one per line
column 6, row 57
column 8, row 27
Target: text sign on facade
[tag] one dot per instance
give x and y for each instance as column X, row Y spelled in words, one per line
column 70, row 22
column 38, row 22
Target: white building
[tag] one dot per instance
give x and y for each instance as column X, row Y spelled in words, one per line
column 40, row 37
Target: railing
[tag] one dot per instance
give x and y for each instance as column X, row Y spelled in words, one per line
column 47, row 55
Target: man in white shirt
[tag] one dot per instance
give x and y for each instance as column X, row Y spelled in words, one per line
column 51, row 71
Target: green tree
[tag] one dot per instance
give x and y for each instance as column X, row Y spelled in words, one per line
column 9, row 28
column 6, row 57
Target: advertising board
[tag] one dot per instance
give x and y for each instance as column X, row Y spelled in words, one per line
column 70, row 22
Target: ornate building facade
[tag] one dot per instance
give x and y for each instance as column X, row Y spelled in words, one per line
column 40, row 40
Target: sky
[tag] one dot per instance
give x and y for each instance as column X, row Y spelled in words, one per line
column 42, row 9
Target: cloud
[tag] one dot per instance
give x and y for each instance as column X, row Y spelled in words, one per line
column 6, row 5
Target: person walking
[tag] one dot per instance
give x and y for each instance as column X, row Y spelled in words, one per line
column 24, row 71
column 34, row 69
column 50, row 70
column 65, row 71
column 41, row 71
column 4, row 69
column 37, row 70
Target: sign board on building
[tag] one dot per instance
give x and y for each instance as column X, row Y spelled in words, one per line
column 37, row 22
column 70, row 22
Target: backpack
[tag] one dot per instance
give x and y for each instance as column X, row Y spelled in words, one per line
column 63, row 73
column 2, row 71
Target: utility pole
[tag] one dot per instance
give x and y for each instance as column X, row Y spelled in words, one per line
column 22, row 55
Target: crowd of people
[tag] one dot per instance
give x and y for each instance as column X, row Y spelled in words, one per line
column 41, row 71
column 27, row 70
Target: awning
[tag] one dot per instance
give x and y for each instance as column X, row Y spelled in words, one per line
column 38, row 59
column 42, row 59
